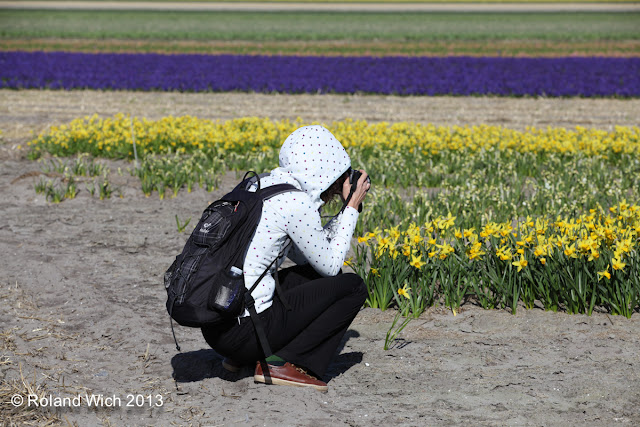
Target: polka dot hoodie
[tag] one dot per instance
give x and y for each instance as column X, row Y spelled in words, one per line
column 311, row 159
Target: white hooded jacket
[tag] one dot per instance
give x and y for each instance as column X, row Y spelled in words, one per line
column 311, row 159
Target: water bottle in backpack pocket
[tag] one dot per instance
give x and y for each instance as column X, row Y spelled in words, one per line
column 227, row 296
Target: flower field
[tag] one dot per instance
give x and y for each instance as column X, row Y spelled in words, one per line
column 503, row 144
column 569, row 76
column 570, row 263
column 457, row 214
column 482, row 213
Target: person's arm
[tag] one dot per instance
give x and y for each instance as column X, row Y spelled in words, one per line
column 296, row 255
column 356, row 200
column 330, row 228
column 303, row 225
column 324, row 248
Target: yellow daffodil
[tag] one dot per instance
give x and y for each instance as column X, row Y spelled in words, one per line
column 504, row 229
column 617, row 264
column 363, row 239
column 540, row 250
column 384, row 242
column 416, row 261
column 521, row 263
column 393, row 233
column 604, row 273
column 529, row 222
column 445, row 250
column 504, row 253
column 488, row 230
column 445, row 223
column 406, row 250
column 570, row 251
column 404, row 291
column 623, row 246
column 469, row 233
column 475, row 251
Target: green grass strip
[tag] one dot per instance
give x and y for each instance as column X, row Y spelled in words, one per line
column 263, row 26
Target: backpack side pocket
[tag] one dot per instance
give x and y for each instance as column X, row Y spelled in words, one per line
column 228, row 296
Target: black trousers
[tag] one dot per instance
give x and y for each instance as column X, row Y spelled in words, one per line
column 322, row 308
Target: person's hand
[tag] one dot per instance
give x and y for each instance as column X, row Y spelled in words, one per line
column 361, row 191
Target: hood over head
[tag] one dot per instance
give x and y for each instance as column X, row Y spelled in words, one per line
column 314, row 158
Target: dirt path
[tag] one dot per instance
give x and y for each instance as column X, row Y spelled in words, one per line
column 325, row 7
column 24, row 112
column 82, row 302
column 502, row 48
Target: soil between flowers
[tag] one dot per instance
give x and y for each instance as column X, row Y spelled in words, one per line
column 506, row 48
column 27, row 112
column 82, row 302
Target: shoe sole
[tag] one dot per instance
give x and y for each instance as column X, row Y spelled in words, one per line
column 261, row 379
column 230, row 368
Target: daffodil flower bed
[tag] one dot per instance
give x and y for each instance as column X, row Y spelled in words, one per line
column 569, row 263
column 488, row 168
column 480, row 213
column 479, row 173
column 114, row 137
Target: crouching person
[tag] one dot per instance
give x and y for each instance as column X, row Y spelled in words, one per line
column 306, row 319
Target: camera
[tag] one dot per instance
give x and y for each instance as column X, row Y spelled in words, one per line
column 354, row 176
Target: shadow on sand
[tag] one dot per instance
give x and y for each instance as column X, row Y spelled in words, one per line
column 198, row 365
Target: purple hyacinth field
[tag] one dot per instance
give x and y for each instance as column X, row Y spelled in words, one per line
column 557, row 77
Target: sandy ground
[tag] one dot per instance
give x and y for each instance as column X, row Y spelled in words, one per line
column 82, row 301
column 325, row 6
column 32, row 111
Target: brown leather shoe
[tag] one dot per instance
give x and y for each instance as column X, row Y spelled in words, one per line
column 288, row 374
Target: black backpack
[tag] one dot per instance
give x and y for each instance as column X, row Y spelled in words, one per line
column 205, row 284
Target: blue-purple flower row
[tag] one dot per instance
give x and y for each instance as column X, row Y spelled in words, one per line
column 570, row 76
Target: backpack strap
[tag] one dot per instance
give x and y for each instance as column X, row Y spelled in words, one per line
column 266, row 193
column 250, row 305
column 279, row 292
column 250, row 176
column 274, row 190
column 249, row 302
